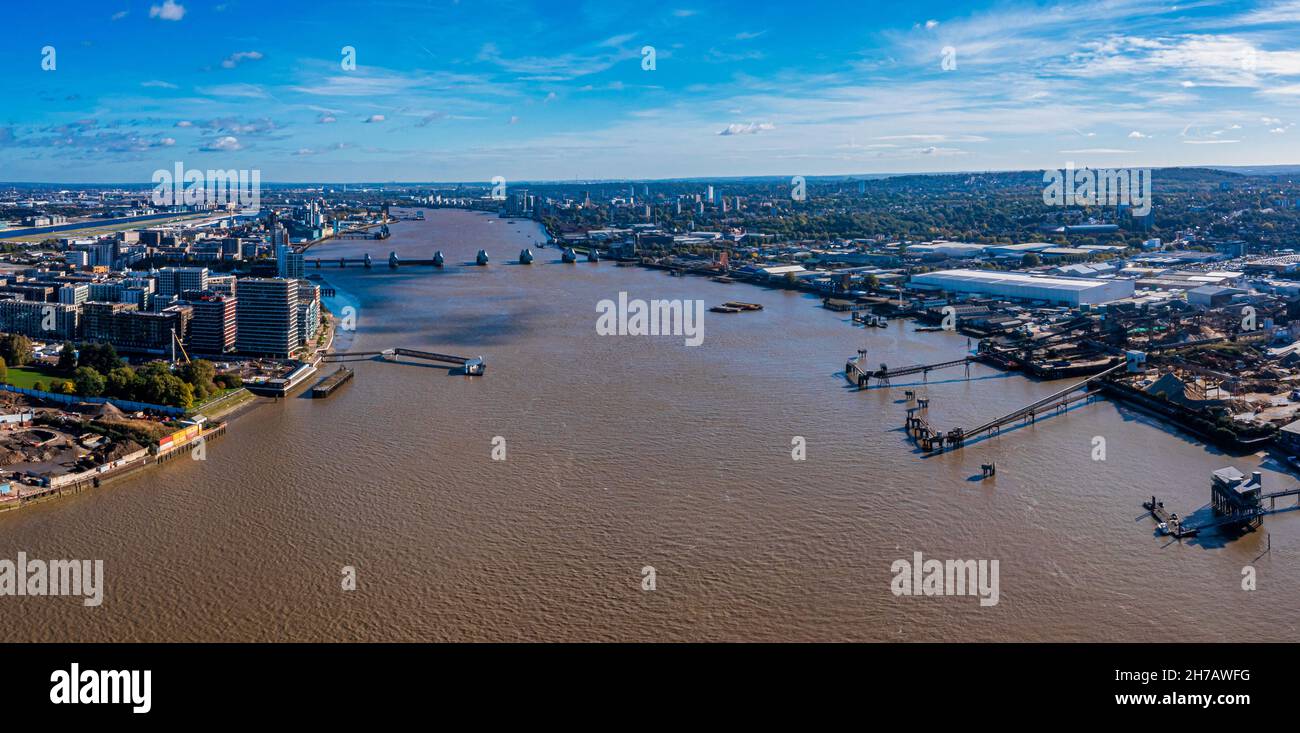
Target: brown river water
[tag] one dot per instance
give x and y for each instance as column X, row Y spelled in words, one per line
column 626, row 452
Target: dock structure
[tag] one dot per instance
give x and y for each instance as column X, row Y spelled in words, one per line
column 327, row 386
column 934, row 440
column 1237, row 501
column 470, row 365
column 861, row 377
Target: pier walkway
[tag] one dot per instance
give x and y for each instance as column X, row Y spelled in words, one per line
column 471, row 365
column 931, row 440
column 861, row 378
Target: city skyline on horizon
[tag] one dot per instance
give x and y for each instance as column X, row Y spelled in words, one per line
column 749, row 179
column 750, row 92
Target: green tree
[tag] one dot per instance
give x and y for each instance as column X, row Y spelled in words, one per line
column 1031, row 259
column 89, row 382
column 165, row 389
column 68, row 388
column 200, row 374
column 229, row 380
column 102, row 358
column 16, row 349
column 4, row 371
column 178, row 393
column 67, row 358
column 38, row 385
column 123, row 383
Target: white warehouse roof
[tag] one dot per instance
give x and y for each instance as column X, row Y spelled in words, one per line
column 1020, row 286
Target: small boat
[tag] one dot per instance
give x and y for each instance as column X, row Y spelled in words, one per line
column 526, row 257
column 592, row 256
column 725, row 309
column 482, row 258
column 569, row 255
column 475, row 367
column 438, row 259
column 743, row 306
column 928, row 329
column 722, row 279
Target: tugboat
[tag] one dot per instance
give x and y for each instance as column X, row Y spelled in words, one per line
column 526, row 257
column 569, row 255
column 438, row 259
column 482, row 258
column 592, row 256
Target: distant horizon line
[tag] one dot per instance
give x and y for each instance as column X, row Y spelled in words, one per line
column 682, row 179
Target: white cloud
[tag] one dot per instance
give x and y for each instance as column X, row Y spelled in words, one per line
column 235, row 59
column 1096, row 151
column 753, row 128
column 169, row 10
column 225, row 144
column 249, row 91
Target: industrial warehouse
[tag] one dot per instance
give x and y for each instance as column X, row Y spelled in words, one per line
column 1017, row 286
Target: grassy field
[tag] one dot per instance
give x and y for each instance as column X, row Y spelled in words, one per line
column 26, row 377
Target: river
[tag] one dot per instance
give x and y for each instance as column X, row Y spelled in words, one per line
column 628, row 452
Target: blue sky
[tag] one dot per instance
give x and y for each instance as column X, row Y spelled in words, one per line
column 468, row 90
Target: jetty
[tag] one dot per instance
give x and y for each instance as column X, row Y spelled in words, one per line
column 327, row 386
column 860, row 377
column 930, row 439
column 470, row 366
column 1236, row 502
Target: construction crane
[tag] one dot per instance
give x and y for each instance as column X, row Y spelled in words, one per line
column 175, row 343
